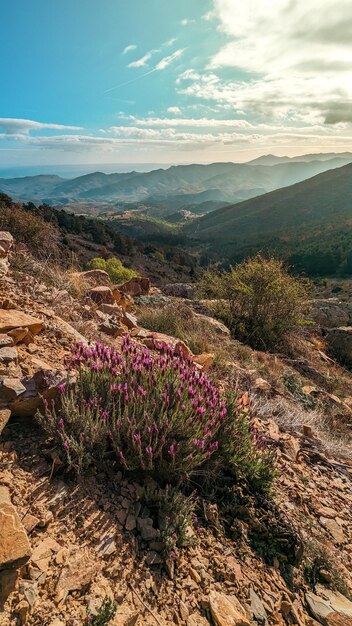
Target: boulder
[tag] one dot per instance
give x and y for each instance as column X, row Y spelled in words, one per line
column 4, row 418
column 95, row 278
column 14, row 545
column 11, row 318
column 137, row 286
column 226, row 610
column 159, row 341
column 6, row 341
column 219, row 327
column 43, row 553
column 76, row 574
column 330, row 608
column 257, row 608
column 113, row 327
column 111, row 309
column 129, row 320
column 180, row 290
column 204, row 360
column 41, row 386
column 339, row 341
column 124, row 616
column 146, row 528
column 63, row 328
column 10, row 389
column 330, row 312
column 6, row 243
column 8, row 354
column 19, row 335
column 101, row 295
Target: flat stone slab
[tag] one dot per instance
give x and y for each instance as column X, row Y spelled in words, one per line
column 11, row 318
column 14, row 545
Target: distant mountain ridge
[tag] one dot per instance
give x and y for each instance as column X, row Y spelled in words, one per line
column 180, row 184
column 310, row 217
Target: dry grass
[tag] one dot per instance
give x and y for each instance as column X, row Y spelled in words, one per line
column 179, row 321
column 291, row 417
column 51, row 273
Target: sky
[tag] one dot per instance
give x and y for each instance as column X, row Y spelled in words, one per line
column 178, row 81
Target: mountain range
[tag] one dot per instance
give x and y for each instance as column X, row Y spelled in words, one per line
column 206, row 186
column 310, row 219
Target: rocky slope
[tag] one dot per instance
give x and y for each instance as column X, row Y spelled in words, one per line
column 66, row 546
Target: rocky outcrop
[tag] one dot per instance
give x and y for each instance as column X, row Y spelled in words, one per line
column 218, row 326
column 37, row 388
column 94, row 278
column 101, row 295
column 14, row 545
column 227, row 610
column 330, row 312
column 6, row 243
column 11, row 319
column 4, row 418
column 137, row 286
column 339, row 341
column 330, row 608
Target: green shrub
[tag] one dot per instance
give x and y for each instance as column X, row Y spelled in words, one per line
column 104, row 615
column 293, row 385
column 258, row 299
column 118, row 273
column 175, row 515
column 154, row 413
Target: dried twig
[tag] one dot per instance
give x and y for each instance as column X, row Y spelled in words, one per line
column 144, row 604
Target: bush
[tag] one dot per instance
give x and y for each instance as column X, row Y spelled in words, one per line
column 154, row 413
column 118, row 273
column 258, row 299
column 104, row 615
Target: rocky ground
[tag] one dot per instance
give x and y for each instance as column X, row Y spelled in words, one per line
column 66, row 546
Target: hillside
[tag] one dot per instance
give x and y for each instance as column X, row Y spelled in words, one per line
column 68, row 238
column 310, row 215
column 181, row 185
column 109, row 537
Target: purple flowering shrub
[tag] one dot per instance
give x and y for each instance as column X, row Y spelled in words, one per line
column 152, row 412
column 149, row 411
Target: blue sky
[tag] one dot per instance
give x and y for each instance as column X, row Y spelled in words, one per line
column 150, row 81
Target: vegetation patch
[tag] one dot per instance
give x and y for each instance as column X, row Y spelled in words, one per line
column 153, row 413
column 259, row 300
column 179, row 321
column 118, row 273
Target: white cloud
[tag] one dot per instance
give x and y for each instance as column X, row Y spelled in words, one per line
column 13, row 126
column 129, row 48
column 166, row 61
column 174, row 110
column 190, row 122
column 143, row 61
column 186, row 22
column 296, row 57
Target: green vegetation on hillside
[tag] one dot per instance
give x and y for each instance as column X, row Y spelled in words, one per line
column 118, row 273
column 307, row 224
column 259, row 301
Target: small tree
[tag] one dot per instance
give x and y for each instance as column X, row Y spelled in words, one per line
column 258, row 299
column 118, row 273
